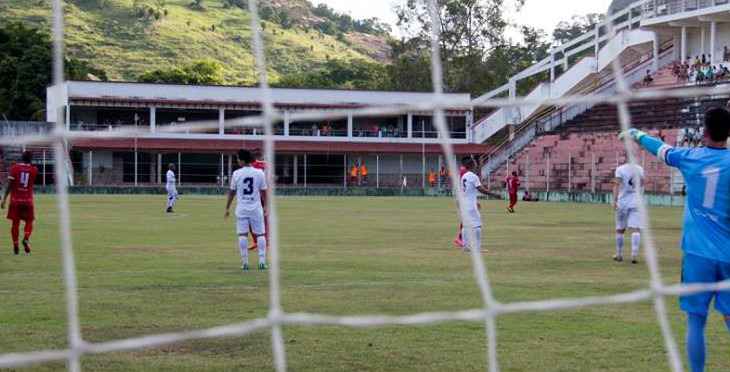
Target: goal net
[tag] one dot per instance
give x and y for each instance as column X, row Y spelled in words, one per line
column 655, row 291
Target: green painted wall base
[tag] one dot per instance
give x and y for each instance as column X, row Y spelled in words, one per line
column 555, row 196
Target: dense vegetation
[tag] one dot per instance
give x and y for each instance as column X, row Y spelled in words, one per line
column 25, row 71
column 208, row 42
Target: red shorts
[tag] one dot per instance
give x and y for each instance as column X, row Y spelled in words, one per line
column 21, row 212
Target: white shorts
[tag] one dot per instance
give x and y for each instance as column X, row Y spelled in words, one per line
column 628, row 217
column 256, row 222
column 475, row 217
column 172, row 192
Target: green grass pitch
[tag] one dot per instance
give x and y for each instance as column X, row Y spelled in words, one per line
column 141, row 271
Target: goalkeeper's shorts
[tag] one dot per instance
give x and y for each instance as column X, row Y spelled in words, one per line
column 696, row 269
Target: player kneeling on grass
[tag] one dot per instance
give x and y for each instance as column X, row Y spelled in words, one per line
column 20, row 187
column 706, row 230
column 247, row 184
column 470, row 184
column 627, row 184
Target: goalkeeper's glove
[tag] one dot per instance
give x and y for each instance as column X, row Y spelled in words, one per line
column 632, row 133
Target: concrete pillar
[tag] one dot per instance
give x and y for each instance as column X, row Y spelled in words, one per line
column 222, row 172
column 677, row 56
column 683, row 42
column 349, row 124
column 91, row 168
column 68, row 116
column 153, row 119
column 409, row 125
column 655, row 45
column 597, row 41
column 296, row 170
column 221, row 121
column 135, row 166
column 159, row 169
column 713, row 43
column 344, row 171
column 44, row 167
column 702, row 41
column 377, row 171
column 153, row 168
column 552, row 65
column 565, row 61
column 287, row 122
column 305, row 170
column 179, row 169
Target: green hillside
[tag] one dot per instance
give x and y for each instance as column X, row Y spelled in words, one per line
column 128, row 37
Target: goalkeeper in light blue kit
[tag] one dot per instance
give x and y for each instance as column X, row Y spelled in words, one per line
column 706, row 235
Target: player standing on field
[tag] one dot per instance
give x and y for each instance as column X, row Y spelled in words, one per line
column 470, row 184
column 626, row 187
column 260, row 164
column 513, row 183
column 20, row 188
column 171, row 188
column 706, row 230
column 247, row 184
column 459, row 240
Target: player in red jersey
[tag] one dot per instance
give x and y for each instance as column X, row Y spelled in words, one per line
column 512, row 184
column 459, row 240
column 259, row 163
column 20, row 188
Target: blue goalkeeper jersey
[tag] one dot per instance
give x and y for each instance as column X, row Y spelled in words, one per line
column 707, row 206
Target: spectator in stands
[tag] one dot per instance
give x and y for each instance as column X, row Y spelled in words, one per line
column 364, row 174
column 314, row 129
column 353, row 175
column 442, row 175
column 326, row 129
column 704, row 61
column 432, row 178
column 648, row 78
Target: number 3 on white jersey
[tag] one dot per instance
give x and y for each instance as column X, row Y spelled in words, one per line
column 24, row 179
column 712, row 175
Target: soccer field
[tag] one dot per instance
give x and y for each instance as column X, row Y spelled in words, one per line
column 141, row 271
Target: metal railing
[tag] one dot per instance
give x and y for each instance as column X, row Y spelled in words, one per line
column 550, row 120
column 661, row 8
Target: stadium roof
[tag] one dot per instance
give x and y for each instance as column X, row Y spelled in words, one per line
column 151, row 94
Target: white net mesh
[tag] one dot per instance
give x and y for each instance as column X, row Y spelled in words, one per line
column 277, row 317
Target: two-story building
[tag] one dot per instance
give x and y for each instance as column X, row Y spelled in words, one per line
column 319, row 152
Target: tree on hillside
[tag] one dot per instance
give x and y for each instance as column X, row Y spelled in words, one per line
column 575, row 27
column 25, row 71
column 337, row 73
column 203, row 72
column 470, row 31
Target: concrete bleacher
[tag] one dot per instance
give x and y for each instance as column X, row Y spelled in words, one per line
column 582, row 154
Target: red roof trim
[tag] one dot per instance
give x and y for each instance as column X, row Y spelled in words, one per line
column 147, row 101
column 287, row 147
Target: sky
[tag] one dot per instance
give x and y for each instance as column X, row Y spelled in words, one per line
column 543, row 14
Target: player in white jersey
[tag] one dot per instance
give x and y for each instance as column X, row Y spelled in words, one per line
column 626, row 188
column 171, row 188
column 248, row 186
column 471, row 184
